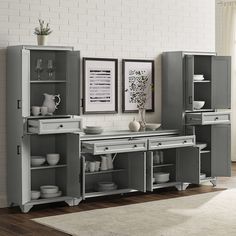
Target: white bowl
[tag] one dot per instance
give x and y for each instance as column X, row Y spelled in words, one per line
column 37, row 160
column 51, row 195
column 198, row 77
column 53, row 158
column 161, row 177
column 152, row 126
column 35, row 195
column 49, row 189
column 198, row 104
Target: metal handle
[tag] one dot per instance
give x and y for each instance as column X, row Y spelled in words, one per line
column 135, row 145
column 61, row 126
column 18, row 151
column 217, row 118
column 106, row 148
column 185, row 141
column 18, row 104
column 159, row 144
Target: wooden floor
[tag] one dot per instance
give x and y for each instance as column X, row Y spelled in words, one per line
column 13, row 222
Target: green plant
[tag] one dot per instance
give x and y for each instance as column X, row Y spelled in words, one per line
column 43, row 28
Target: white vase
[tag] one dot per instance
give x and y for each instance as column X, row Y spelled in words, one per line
column 42, row 39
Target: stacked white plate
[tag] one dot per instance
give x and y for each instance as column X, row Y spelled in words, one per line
column 49, row 191
column 93, row 130
column 106, row 186
column 161, row 177
column 198, row 77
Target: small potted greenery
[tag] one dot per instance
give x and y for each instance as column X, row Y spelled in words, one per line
column 42, row 32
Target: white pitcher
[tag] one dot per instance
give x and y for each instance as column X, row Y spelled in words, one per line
column 49, row 102
column 109, row 162
column 104, row 163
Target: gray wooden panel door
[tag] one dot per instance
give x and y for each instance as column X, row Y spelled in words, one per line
column 221, row 82
column 188, row 165
column 73, row 85
column 73, row 166
column 189, row 86
column 137, row 171
column 149, row 172
column 221, row 150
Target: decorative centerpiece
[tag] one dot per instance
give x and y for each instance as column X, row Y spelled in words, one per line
column 42, row 32
column 140, row 96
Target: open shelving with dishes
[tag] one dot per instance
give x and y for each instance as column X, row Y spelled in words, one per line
column 127, row 174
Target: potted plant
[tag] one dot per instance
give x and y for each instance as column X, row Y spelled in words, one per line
column 42, row 32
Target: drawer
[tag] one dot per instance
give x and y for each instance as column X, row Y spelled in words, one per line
column 54, row 126
column 208, row 118
column 170, row 142
column 114, row 146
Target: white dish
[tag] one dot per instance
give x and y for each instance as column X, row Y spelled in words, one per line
column 53, row 158
column 161, row 177
column 94, row 127
column 198, row 77
column 51, row 195
column 35, row 195
column 198, row 104
column 106, row 184
column 49, row 189
column 153, row 126
column 201, row 145
column 37, row 160
column 93, row 131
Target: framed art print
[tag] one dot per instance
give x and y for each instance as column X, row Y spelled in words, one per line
column 138, row 85
column 99, row 85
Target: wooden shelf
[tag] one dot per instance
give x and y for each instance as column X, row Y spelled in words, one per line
column 163, row 165
column 48, row 167
column 104, row 172
column 47, row 81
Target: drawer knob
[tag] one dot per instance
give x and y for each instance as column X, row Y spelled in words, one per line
column 61, row 126
column 217, row 118
column 185, row 141
column 135, row 145
column 106, row 148
column 158, row 144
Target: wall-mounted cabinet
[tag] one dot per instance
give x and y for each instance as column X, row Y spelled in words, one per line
column 31, row 72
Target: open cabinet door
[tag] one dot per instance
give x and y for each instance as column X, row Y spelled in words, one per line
column 189, row 85
column 137, row 171
column 149, row 174
column 220, row 150
column 221, row 82
column 188, row 165
column 73, row 82
column 73, row 166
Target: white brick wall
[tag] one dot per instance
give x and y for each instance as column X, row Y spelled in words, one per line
column 107, row 28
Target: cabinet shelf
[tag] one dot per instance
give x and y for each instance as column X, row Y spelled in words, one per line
column 202, row 81
column 104, row 172
column 48, row 167
column 105, row 193
column 47, row 81
column 205, row 151
column 163, row 165
column 48, row 200
column 207, row 179
column 163, row 185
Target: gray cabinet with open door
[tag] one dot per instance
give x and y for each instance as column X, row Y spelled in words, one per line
column 33, row 71
column 203, row 77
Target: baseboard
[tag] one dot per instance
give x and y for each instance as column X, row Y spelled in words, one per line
column 3, row 201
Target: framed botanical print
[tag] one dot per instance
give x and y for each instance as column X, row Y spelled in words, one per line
column 99, row 85
column 138, row 85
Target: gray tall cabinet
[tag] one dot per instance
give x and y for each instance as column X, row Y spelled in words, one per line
column 211, row 123
column 29, row 135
